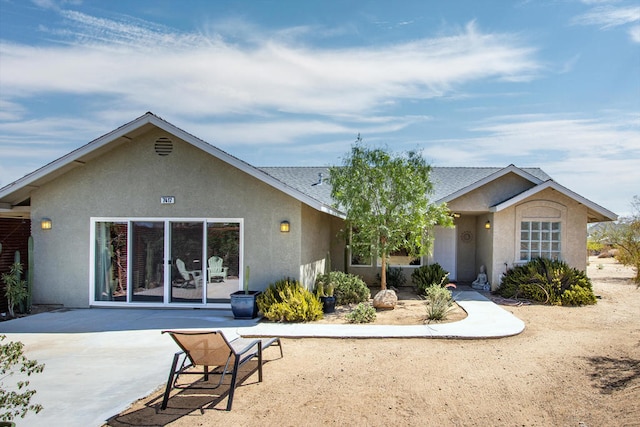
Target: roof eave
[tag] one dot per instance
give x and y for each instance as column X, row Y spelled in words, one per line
column 596, row 212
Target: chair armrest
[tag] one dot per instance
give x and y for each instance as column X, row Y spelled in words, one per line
column 240, row 346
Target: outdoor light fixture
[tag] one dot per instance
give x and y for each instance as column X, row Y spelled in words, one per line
column 487, row 225
column 284, row 227
column 46, row 224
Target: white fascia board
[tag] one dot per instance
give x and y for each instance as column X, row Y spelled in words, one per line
column 74, row 156
column 561, row 189
column 502, row 172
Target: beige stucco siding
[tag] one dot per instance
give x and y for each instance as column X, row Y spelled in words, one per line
column 490, row 194
column 129, row 181
column 316, row 244
column 548, row 205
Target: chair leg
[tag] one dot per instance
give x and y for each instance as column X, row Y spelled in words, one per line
column 167, row 391
column 259, row 361
column 232, row 386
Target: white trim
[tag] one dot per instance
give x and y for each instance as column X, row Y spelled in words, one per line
column 607, row 214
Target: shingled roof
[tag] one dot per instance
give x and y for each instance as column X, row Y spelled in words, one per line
column 446, row 180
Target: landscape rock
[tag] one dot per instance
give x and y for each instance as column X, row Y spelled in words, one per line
column 386, row 299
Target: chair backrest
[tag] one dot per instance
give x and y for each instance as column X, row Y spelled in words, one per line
column 182, row 269
column 204, row 348
column 215, row 263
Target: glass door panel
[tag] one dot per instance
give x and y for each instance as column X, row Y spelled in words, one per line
column 111, row 261
column 223, row 260
column 147, row 261
column 187, row 279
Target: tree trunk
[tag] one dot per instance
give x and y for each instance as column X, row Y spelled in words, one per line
column 383, row 274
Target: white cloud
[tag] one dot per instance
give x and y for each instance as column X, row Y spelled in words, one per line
column 144, row 64
column 634, row 33
column 609, row 16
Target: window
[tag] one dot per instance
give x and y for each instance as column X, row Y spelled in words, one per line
column 360, row 255
column 401, row 258
column 539, row 239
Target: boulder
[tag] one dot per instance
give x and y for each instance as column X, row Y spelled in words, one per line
column 385, row 300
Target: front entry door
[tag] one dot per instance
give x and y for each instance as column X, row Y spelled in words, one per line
column 444, row 250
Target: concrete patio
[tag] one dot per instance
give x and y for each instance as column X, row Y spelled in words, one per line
column 98, row 361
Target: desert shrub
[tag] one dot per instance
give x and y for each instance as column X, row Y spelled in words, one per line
column 395, row 278
column 439, row 302
column 363, row 313
column 15, row 398
column 427, row 275
column 288, row 301
column 548, row 281
column 347, row 288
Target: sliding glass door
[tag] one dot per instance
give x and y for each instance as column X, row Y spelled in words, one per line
column 147, row 261
column 165, row 261
column 186, row 246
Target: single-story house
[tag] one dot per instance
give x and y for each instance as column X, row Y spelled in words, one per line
column 149, row 215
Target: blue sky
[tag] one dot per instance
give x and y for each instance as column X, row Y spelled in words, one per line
column 549, row 83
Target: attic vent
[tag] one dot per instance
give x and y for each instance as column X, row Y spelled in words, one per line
column 163, row 146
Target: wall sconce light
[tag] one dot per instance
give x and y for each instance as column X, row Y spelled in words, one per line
column 46, row 224
column 487, row 225
column 284, row 227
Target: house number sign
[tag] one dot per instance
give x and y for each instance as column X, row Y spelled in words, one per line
column 167, row 200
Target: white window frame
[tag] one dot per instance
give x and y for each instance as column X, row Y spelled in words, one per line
column 167, row 223
column 536, row 236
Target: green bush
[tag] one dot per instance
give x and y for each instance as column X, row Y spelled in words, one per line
column 363, row 313
column 347, row 288
column 548, row 281
column 395, row 277
column 288, row 301
column 439, row 302
column 427, row 275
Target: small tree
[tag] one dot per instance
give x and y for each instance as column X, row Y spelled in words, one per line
column 386, row 200
column 15, row 400
column 15, row 289
column 625, row 236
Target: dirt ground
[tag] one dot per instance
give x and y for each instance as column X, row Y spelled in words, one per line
column 572, row 366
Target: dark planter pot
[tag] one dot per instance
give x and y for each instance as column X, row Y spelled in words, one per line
column 328, row 304
column 244, row 306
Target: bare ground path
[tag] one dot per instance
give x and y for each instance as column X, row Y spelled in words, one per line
column 570, row 367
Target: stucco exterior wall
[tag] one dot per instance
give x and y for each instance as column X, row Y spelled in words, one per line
column 490, row 194
column 316, row 244
column 485, row 246
column 128, row 182
column 548, row 205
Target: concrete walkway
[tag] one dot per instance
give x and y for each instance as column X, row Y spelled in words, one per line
column 98, row 361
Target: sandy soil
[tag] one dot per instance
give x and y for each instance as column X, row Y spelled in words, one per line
column 410, row 310
column 570, row 367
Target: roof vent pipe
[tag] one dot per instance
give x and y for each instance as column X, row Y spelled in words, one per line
column 320, row 179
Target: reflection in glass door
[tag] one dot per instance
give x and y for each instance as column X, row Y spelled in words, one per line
column 147, row 261
column 160, row 262
column 186, row 246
